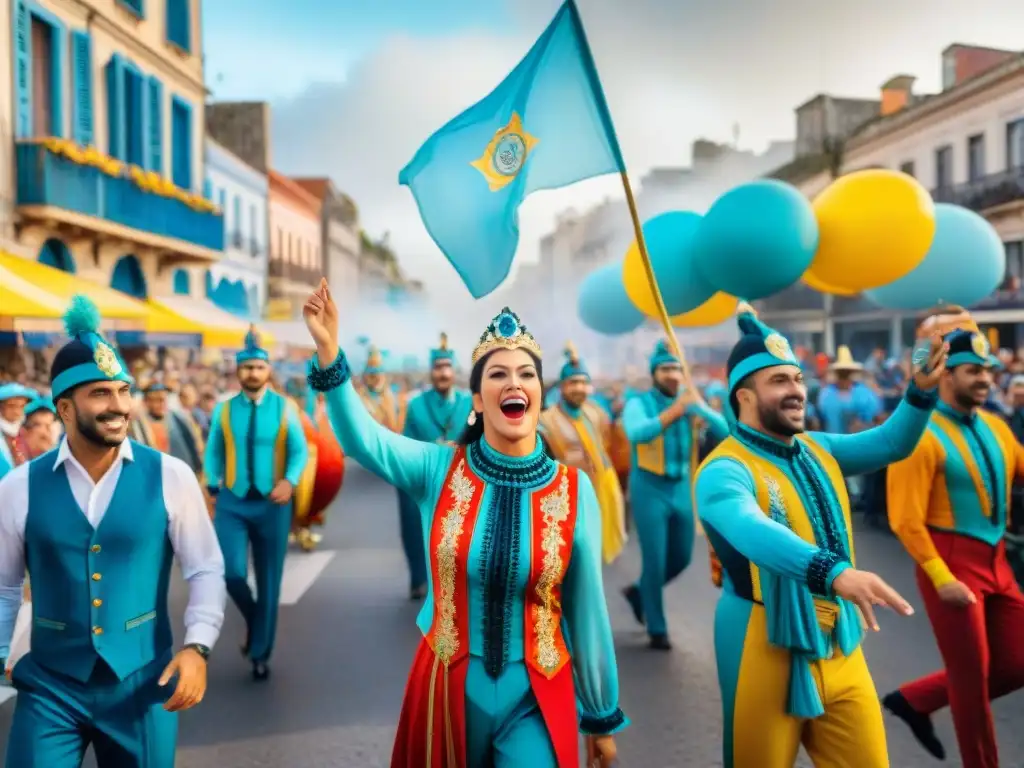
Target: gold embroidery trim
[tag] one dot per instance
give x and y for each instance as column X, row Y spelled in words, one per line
column 446, row 634
column 555, row 510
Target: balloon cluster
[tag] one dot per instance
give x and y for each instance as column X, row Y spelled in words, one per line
column 875, row 232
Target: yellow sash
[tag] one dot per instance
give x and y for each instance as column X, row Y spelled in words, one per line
column 773, row 487
column 230, row 451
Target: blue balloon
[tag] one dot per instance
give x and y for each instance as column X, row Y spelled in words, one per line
column 603, row 304
column 965, row 264
column 756, row 240
column 669, row 238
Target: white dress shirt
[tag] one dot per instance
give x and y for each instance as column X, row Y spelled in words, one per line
column 189, row 529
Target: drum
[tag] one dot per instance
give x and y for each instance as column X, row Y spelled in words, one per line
column 620, row 450
column 325, row 470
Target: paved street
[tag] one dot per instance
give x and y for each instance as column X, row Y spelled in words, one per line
column 347, row 636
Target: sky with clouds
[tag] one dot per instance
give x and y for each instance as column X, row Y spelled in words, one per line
column 357, row 86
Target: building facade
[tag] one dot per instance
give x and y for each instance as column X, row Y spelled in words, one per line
column 107, row 124
column 341, row 243
column 296, row 250
column 238, row 283
column 964, row 144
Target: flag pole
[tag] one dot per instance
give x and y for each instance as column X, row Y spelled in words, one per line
column 652, row 280
column 606, row 119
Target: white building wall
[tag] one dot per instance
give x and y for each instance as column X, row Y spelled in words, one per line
column 242, row 193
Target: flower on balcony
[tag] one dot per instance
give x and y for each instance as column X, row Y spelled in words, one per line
column 148, row 181
column 84, row 156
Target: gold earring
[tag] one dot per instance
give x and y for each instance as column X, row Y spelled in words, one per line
column 472, row 418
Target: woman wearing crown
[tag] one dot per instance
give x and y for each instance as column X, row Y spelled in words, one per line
column 513, row 541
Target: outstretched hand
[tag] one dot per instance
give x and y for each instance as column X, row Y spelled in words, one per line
column 927, row 376
column 321, row 316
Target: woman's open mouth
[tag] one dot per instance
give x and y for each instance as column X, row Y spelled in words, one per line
column 514, row 407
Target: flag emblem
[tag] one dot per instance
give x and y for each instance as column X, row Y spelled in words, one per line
column 505, row 155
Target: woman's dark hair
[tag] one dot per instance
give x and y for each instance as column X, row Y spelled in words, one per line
column 475, row 431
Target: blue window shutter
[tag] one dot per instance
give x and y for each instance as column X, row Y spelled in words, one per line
column 22, row 70
column 57, row 51
column 115, row 107
column 135, row 116
column 208, row 190
column 155, row 108
column 181, row 143
column 81, row 88
column 179, row 24
column 223, row 201
column 238, row 214
column 138, row 7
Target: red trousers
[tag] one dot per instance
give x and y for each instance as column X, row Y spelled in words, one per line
column 982, row 645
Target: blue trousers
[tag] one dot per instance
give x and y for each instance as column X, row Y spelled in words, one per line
column 262, row 526
column 57, row 718
column 504, row 725
column 663, row 515
column 410, row 525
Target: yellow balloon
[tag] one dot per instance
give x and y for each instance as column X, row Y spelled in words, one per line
column 634, row 280
column 715, row 310
column 875, row 226
column 812, row 281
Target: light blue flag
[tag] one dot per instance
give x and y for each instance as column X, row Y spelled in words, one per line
column 546, row 126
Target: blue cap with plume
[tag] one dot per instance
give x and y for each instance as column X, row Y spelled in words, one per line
column 574, row 366
column 374, row 361
column 252, row 350
column 442, row 354
column 759, row 347
column 88, row 357
column 969, row 347
column 663, row 355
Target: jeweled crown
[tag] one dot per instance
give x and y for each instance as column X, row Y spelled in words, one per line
column 506, row 331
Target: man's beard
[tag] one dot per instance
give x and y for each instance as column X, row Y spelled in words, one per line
column 87, row 428
column 251, row 387
column 669, row 392
column 966, row 400
column 773, row 421
column 443, row 386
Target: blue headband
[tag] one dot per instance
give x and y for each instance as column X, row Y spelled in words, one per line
column 82, row 323
column 252, row 350
column 662, row 355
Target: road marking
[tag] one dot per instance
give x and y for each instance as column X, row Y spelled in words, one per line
column 301, row 570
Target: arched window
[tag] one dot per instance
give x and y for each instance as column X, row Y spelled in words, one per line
column 128, row 277
column 182, row 283
column 55, row 254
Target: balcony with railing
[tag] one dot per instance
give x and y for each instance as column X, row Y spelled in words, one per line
column 987, row 192
column 70, row 185
column 295, row 273
column 798, row 296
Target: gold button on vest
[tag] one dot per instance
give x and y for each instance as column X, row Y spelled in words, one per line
column 95, row 547
column 97, row 630
column 96, row 577
column 97, row 603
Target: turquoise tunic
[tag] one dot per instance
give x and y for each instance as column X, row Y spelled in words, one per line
column 791, row 569
column 503, row 720
column 245, row 518
column 662, row 505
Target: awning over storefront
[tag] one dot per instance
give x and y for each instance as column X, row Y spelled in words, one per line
column 292, row 333
column 33, row 298
column 220, row 329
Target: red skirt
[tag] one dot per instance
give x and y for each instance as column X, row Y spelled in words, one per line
column 432, row 726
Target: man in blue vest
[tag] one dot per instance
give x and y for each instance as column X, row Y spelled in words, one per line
column 436, row 415
column 662, row 426
column 13, row 400
column 255, row 455
column 101, row 656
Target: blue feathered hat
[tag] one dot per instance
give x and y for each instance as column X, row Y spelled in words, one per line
column 663, row 355
column 574, row 366
column 759, row 347
column 969, row 347
column 442, row 354
column 40, row 404
column 14, row 391
column 88, row 357
column 252, row 350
